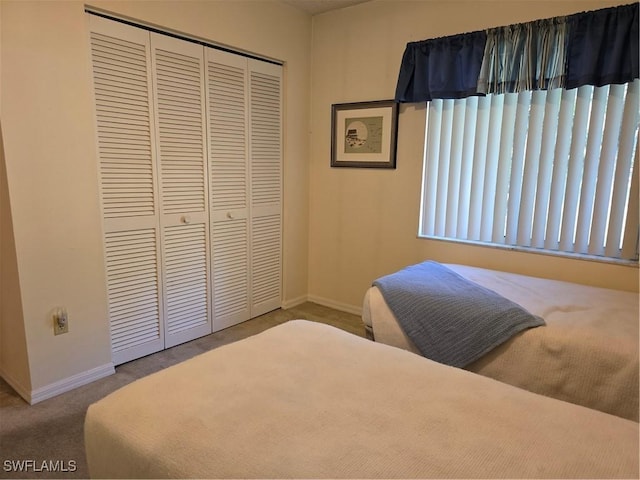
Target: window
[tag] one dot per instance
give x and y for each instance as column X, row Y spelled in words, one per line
column 554, row 170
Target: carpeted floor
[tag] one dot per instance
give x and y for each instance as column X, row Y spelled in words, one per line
column 52, row 430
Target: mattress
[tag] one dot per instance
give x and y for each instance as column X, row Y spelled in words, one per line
column 586, row 354
column 306, row 400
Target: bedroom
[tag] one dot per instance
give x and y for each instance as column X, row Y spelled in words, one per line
column 342, row 227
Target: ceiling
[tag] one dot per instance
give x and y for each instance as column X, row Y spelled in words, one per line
column 320, row 6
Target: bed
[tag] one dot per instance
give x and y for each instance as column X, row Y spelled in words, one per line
column 586, row 353
column 307, row 400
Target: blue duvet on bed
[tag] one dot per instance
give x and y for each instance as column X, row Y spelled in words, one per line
column 450, row 319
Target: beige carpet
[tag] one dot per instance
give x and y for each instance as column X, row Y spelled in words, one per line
column 52, row 430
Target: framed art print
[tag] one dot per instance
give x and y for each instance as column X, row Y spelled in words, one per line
column 364, row 134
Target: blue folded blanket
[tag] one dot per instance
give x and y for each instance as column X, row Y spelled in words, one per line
column 450, row 319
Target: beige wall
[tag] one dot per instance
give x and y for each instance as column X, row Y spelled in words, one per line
column 364, row 223
column 50, row 156
column 51, row 171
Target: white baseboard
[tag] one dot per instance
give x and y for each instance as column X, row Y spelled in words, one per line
column 343, row 307
column 69, row 383
column 294, row 302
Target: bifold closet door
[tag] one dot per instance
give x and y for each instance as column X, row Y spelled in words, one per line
column 190, row 151
column 265, row 173
column 128, row 186
column 227, row 90
column 245, row 164
column 179, row 96
column 151, row 124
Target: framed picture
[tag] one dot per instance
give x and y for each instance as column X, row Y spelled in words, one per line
column 364, row 134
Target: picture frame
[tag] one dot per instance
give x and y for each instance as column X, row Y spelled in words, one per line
column 364, row 134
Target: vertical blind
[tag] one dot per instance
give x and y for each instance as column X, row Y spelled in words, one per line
column 550, row 169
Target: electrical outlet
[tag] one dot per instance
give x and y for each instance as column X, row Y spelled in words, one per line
column 60, row 321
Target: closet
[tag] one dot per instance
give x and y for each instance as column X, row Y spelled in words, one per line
column 189, row 142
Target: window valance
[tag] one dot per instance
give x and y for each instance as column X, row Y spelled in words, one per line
column 590, row 48
column 603, row 47
column 446, row 67
column 524, row 56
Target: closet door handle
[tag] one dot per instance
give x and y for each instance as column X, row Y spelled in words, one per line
column 186, row 219
column 230, row 216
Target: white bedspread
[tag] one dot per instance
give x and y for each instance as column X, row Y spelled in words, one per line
column 586, row 354
column 306, row 400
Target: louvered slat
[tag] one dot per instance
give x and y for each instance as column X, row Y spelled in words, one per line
column 265, row 262
column 228, row 137
column 230, row 272
column 123, row 119
column 132, row 285
column 180, row 131
column 185, row 277
column 266, row 152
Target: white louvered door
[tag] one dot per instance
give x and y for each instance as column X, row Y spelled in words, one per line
column 128, row 186
column 227, row 88
column 189, row 145
column 265, row 114
column 245, row 162
column 178, row 73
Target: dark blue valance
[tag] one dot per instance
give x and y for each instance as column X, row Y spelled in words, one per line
column 446, row 67
column 603, row 47
column 589, row 48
